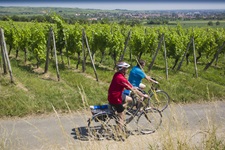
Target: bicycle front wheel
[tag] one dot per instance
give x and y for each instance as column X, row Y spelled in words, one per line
column 159, row 99
column 149, row 120
column 101, row 126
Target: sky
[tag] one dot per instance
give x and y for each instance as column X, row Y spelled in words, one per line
column 120, row 4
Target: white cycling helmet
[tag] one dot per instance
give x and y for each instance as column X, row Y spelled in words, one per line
column 122, row 65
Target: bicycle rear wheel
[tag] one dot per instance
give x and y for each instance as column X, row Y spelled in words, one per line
column 149, row 120
column 101, row 126
column 159, row 99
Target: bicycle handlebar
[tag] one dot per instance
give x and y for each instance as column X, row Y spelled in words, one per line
column 154, row 80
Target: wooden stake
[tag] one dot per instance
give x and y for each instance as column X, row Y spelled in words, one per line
column 196, row 69
column 158, row 48
column 47, row 51
column 215, row 56
column 86, row 41
column 55, row 54
column 180, row 64
column 126, row 43
column 165, row 58
column 5, row 53
column 83, row 49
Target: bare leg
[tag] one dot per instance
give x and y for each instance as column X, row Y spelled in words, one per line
column 121, row 119
column 142, row 86
column 120, row 124
column 127, row 100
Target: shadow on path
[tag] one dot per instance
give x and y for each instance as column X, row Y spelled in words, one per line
column 80, row 133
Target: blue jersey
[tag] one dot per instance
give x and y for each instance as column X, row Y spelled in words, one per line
column 136, row 75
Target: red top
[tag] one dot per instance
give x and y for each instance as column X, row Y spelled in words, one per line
column 119, row 82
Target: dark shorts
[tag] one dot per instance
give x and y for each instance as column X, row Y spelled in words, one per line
column 118, row 107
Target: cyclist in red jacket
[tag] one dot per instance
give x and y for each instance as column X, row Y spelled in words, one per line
column 118, row 84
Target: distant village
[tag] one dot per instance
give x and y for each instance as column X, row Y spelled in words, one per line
column 72, row 15
column 182, row 15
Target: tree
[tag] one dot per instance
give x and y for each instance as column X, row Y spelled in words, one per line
column 210, row 23
column 217, row 23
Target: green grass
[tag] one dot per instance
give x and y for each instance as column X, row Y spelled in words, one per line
column 192, row 23
column 36, row 93
column 199, row 23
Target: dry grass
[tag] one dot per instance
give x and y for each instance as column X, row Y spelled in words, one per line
column 184, row 127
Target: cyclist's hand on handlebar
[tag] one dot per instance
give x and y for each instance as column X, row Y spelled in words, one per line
column 154, row 80
column 146, row 96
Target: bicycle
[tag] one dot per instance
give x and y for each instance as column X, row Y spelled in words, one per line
column 103, row 123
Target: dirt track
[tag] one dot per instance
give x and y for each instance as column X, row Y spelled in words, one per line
column 68, row 131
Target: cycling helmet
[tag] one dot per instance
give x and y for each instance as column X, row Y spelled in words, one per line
column 122, row 65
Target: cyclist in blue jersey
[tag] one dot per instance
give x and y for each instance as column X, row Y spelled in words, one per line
column 136, row 75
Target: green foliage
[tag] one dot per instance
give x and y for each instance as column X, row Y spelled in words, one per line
column 11, row 35
column 35, row 95
column 137, row 42
column 176, row 42
column 74, row 39
column 38, row 41
column 60, row 36
column 116, row 42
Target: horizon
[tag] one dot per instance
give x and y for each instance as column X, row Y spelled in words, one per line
column 108, row 5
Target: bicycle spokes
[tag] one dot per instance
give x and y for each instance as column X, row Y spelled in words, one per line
column 149, row 120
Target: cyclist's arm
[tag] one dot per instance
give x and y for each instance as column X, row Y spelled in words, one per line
column 143, row 75
column 150, row 79
column 135, row 90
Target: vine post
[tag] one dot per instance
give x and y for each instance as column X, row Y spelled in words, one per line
column 51, row 38
column 165, row 57
column 156, row 53
column 180, row 64
column 215, row 56
column 5, row 56
column 48, row 51
column 126, row 43
column 83, row 50
column 86, row 42
column 56, row 60
column 195, row 62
